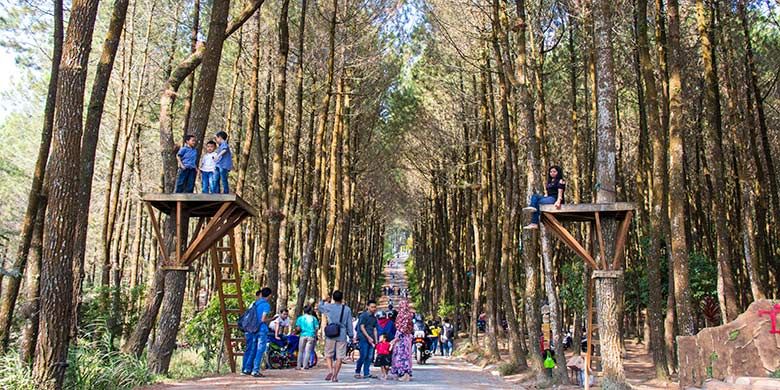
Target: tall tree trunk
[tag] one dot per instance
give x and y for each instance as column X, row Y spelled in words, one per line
column 655, row 316
column 62, row 181
column 679, row 253
column 10, row 284
column 607, row 290
column 33, row 287
column 274, row 212
column 317, row 195
column 715, row 158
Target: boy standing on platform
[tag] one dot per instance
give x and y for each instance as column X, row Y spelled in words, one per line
column 207, row 167
column 224, row 160
column 186, row 157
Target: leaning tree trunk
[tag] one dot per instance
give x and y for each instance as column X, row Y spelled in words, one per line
column 51, row 353
column 10, row 284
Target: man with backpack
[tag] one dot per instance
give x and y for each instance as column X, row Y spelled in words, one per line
column 446, row 337
column 254, row 323
column 337, row 332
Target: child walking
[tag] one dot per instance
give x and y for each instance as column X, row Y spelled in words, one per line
column 383, row 357
column 186, row 158
column 207, row 167
column 224, row 163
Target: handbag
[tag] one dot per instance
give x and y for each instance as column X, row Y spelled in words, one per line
column 333, row 330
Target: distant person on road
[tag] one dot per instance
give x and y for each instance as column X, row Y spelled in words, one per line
column 446, row 338
column 224, row 163
column 402, row 344
column 434, row 336
column 186, row 157
column 308, row 325
column 553, row 194
column 366, row 337
column 339, row 317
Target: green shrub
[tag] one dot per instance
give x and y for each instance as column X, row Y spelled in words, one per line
column 14, row 374
column 91, row 367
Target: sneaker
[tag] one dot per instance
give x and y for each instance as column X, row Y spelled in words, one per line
column 529, row 209
column 358, row 376
column 246, row 372
column 532, row 226
column 258, row 375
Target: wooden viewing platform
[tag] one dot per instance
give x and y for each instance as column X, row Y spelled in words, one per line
column 594, row 213
column 218, row 215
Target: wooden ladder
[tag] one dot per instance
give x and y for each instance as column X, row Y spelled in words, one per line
column 231, row 302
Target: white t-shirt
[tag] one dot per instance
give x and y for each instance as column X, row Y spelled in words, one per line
column 208, row 162
column 285, row 323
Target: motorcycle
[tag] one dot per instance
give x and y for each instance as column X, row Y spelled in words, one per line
column 422, row 352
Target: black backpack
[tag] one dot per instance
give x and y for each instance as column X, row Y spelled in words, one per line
column 333, row 330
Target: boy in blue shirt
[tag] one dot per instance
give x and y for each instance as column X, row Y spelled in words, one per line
column 224, row 160
column 187, row 158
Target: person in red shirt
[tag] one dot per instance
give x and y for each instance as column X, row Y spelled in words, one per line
column 383, row 357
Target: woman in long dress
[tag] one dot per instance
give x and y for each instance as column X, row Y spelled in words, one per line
column 402, row 344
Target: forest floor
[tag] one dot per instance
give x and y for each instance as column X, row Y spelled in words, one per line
column 439, row 373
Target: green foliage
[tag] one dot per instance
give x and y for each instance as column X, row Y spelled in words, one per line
column 733, row 334
column 775, row 374
column 572, row 291
column 414, row 286
column 703, row 275
column 14, row 374
column 446, row 310
column 91, row 367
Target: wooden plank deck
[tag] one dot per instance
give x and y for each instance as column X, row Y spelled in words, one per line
column 585, row 212
column 196, row 205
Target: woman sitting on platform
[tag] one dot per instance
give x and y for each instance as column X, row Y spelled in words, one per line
column 553, row 194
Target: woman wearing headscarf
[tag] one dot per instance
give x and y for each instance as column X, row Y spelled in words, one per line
column 402, row 344
column 386, row 326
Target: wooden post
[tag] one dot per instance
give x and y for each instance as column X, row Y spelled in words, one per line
column 590, row 334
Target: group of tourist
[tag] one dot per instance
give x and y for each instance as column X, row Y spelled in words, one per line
column 214, row 166
column 384, row 339
column 395, row 291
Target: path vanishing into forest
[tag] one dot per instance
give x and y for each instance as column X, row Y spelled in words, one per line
column 438, row 373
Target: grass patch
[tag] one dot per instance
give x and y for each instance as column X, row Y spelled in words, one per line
column 508, row 368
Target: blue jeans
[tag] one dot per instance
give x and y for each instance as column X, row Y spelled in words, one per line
column 185, row 181
column 249, row 354
column 538, row 199
column 366, row 357
column 446, row 347
column 434, row 345
column 219, row 180
column 206, row 182
column 262, row 344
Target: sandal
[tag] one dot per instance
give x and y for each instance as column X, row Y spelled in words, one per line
column 329, row 377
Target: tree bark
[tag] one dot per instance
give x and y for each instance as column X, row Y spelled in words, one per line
column 608, row 292
column 274, row 211
column 62, row 181
column 10, row 284
column 679, row 253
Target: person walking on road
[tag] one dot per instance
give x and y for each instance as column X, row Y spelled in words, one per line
column 366, row 338
column 308, row 325
column 337, row 332
column 446, row 338
column 402, row 344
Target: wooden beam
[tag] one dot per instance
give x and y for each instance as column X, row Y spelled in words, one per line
column 197, row 229
column 622, row 236
column 156, row 226
column 178, row 233
column 212, row 223
column 600, row 235
column 568, row 239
